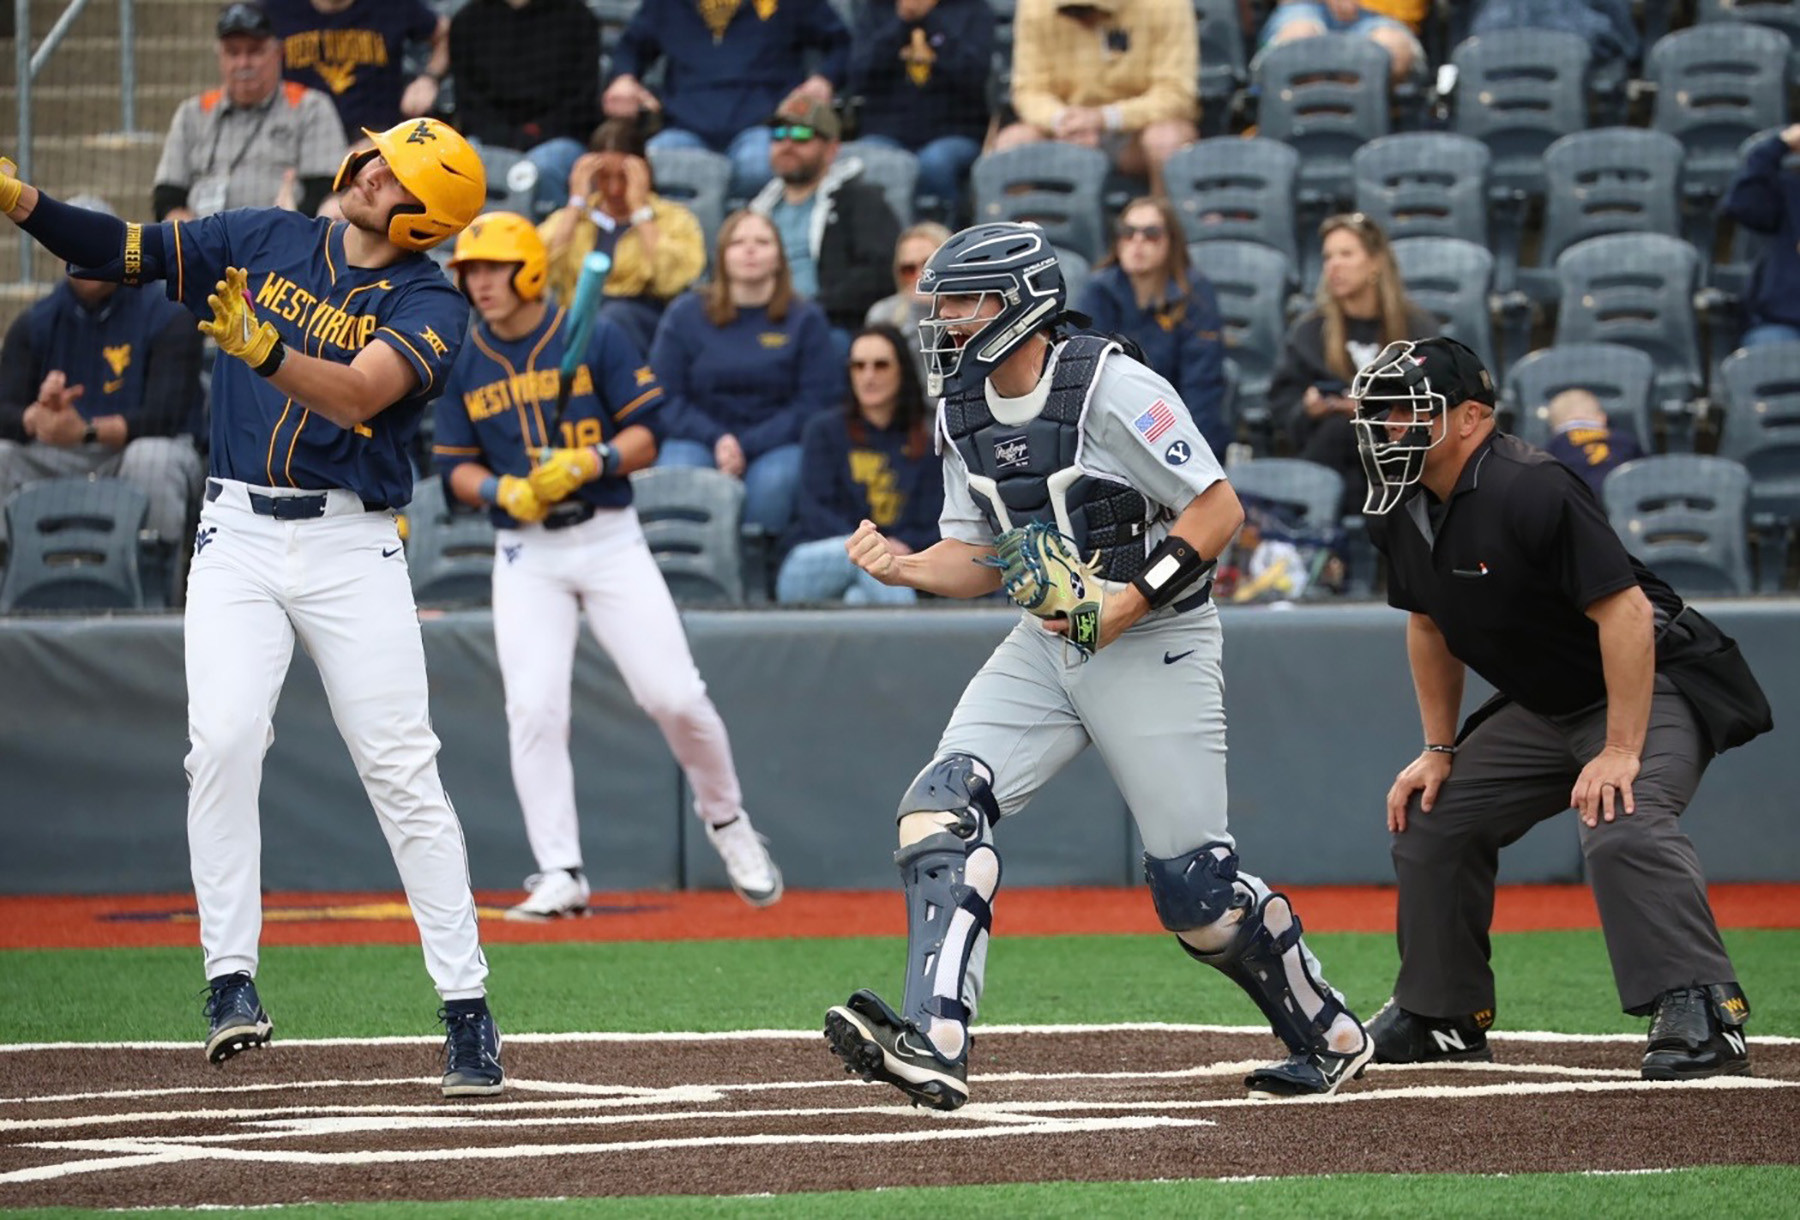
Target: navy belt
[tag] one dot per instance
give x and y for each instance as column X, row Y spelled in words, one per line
column 566, row 515
column 284, row 508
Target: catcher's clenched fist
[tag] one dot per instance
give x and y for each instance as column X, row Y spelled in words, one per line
column 1042, row 573
column 874, row 554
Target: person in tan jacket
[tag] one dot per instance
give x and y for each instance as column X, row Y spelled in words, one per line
column 657, row 247
column 1118, row 75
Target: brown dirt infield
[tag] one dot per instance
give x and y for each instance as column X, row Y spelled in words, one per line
column 772, row 1112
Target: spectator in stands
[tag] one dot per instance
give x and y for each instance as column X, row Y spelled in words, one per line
column 527, row 78
column 1608, row 25
column 743, row 366
column 836, row 228
column 1119, row 75
column 1146, row 291
column 1582, row 441
column 1295, row 19
column 905, row 309
column 921, row 69
column 1412, row 13
column 1765, row 198
column 101, row 379
column 354, row 51
column 1361, row 307
column 255, row 142
column 729, row 66
column 656, row 245
column 872, row 461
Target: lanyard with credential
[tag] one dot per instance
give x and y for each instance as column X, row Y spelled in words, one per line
column 212, row 155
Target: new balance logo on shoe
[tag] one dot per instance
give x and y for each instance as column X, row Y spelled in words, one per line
column 1448, row 1040
column 1735, row 1041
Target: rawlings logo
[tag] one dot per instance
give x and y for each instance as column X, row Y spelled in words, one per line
column 1013, row 451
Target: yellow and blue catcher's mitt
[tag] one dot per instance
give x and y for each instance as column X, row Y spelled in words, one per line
column 1042, row 573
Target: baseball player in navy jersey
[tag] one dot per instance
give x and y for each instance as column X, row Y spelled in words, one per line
column 567, row 542
column 335, row 336
column 1048, row 433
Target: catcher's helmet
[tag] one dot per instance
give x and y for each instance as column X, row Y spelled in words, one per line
column 1012, row 261
column 1399, row 395
column 505, row 237
column 438, row 166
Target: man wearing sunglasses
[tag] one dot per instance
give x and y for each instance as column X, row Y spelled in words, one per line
column 837, row 230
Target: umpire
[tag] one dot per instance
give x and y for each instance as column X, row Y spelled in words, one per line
column 1613, row 697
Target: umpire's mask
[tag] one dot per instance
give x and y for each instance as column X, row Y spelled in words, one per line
column 1400, row 396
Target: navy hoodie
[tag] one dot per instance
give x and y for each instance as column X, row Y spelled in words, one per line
column 1182, row 340
column 1766, row 200
column 842, row 481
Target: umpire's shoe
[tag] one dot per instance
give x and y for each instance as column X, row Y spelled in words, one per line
column 1316, row 1073
column 471, row 1051
column 1698, row 1032
column 877, row 1043
column 237, row 1019
column 1406, row 1037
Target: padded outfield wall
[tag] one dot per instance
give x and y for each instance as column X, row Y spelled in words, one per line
column 831, row 714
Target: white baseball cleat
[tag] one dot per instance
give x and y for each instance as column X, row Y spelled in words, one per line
column 747, row 861
column 554, row 894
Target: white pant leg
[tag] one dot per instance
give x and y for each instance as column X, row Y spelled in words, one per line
column 634, row 619
column 353, row 609
column 536, row 625
column 238, row 644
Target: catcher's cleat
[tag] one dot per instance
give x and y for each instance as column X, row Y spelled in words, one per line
column 237, row 1019
column 471, row 1054
column 1697, row 1032
column 1405, row 1037
column 1316, row 1073
column 747, row 861
column 559, row 892
column 877, row 1043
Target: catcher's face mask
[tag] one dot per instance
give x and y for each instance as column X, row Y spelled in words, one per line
column 1396, row 424
column 991, row 287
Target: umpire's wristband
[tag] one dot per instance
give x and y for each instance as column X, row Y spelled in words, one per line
column 273, row 360
column 1439, row 749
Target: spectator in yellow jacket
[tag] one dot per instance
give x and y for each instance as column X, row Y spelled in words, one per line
column 657, row 247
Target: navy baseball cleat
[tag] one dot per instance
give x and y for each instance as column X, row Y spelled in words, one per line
column 1315, row 1073
column 1406, row 1037
column 237, row 1019
column 471, row 1054
column 1698, row 1032
column 877, row 1043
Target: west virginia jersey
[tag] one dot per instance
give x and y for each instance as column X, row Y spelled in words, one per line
column 499, row 396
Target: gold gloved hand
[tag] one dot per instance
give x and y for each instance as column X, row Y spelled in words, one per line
column 517, row 498
column 235, row 327
column 10, row 185
column 560, row 471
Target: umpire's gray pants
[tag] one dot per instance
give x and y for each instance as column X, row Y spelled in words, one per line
column 166, row 469
column 1512, row 772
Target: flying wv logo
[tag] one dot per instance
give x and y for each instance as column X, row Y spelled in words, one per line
column 1448, row 1040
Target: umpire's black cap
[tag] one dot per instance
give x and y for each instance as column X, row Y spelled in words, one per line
column 1454, row 371
column 245, row 17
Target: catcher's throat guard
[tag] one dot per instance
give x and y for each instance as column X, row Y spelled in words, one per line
column 1043, row 575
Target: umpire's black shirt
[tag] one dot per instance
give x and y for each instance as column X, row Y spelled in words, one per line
column 1506, row 567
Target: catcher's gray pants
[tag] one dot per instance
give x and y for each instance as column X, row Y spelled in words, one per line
column 1513, row 771
column 167, row 469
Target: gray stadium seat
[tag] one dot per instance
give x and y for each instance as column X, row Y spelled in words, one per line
column 511, row 180
column 1783, row 15
column 1222, row 63
column 1075, row 273
column 1424, row 184
column 894, row 170
column 1620, row 377
column 1251, row 282
column 1327, row 96
column 450, row 553
column 1053, row 184
column 696, row 178
column 1684, row 514
column 1451, row 279
column 1637, row 289
column 1233, row 189
column 691, row 520
column 1761, row 389
column 1308, row 486
column 74, row 546
column 1518, row 91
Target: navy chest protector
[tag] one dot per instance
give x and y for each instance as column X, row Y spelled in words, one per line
column 1031, row 471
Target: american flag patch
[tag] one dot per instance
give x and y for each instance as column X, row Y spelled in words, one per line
column 1154, row 422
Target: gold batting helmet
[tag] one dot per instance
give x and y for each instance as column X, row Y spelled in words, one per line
column 441, row 170
column 505, row 237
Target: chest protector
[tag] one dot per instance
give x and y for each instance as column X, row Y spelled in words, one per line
column 1032, row 471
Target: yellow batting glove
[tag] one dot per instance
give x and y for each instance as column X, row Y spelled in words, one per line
column 517, row 498
column 10, row 186
column 560, row 471
column 235, row 327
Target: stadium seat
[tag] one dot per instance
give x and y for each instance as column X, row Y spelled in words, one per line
column 894, row 170
column 1451, row 279
column 1684, row 514
column 1637, row 289
column 1296, row 483
column 1222, row 63
column 1424, row 184
column 699, row 180
column 450, row 551
column 1053, row 184
column 1233, row 189
column 1620, row 377
column 511, row 180
column 691, row 520
column 1612, row 180
column 1251, row 282
column 74, row 546
column 1760, row 387
column 1075, row 273
column 1783, row 15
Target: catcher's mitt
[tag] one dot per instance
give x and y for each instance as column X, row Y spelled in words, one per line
column 1043, row 574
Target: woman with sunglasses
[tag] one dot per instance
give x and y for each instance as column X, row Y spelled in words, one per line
column 1361, row 307
column 1147, row 292
column 906, row 308
column 873, row 461
column 744, row 364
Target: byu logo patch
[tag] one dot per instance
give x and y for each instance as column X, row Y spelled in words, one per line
column 1012, row 451
column 1177, row 454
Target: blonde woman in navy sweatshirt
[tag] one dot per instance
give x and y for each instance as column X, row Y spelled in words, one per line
column 744, row 364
